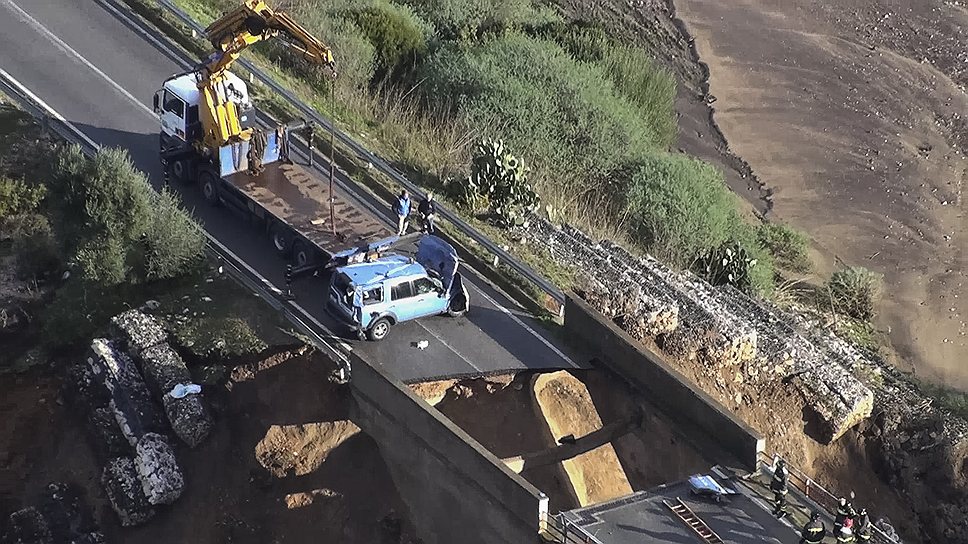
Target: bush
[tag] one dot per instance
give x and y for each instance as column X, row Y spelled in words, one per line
column 17, row 197
column 174, row 242
column 464, row 20
column 564, row 114
column 743, row 267
column 789, row 247
column 33, row 245
column 854, row 291
column 498, row 181
column 679, row 207
column 398, row 36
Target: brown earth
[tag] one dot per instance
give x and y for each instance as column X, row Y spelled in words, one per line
column 500, row 413
column 853, row 115
column 285, row 419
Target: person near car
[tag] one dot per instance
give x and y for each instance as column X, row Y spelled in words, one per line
column 779, row 487
column 863, row 527
column 814, row 531
column 428, row 213
column 401, row 207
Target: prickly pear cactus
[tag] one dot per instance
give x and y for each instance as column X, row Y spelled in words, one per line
column 729, row 264
column 498, row 183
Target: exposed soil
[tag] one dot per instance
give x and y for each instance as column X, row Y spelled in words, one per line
column 282, row 465
column 500, row 413
column 853, row 113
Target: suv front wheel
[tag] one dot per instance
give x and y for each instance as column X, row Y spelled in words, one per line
column 379, row 329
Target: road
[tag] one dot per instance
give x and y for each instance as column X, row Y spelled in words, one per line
column 92, row 63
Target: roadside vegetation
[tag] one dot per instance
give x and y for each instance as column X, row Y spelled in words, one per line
column 424, row 83
column 83, row 239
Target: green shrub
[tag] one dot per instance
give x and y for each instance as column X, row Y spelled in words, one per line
column 679, row 207
column 174, row 241
column 498, row 181
column 208, row 337
column 18, row 197
column 743, row 267
column 103, row 260
column 854, row 291
column 33, row 244
column 564, row 114
column 470, row 19
column 398, row 36
column 789, row 247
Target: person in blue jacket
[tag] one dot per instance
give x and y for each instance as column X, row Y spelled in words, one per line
column 401, row 207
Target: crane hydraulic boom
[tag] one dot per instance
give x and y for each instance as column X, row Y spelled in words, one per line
column 252, row 22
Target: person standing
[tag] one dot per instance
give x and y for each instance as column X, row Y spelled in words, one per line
column 844, row 511
column 401, row 207
column 428, row 213
column 779, row 487
column 863, row 527
column 845, row 535
column 814, row 531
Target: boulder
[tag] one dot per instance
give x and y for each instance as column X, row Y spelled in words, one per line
column 131, row 402
column 161, row 477
column 138, row 331
column 189, row 418
column 124, row 491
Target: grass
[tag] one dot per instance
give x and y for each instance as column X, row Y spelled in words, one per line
column 952, row 400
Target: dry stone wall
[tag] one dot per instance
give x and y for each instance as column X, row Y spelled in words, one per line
column 734, row 338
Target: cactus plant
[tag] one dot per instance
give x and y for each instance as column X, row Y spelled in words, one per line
column 498, row 184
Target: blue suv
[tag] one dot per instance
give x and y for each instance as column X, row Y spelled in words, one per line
column 375, row 293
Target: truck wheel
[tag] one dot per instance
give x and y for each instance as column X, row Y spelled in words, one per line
column 209, row 186
column 281, row 238
column 179, row 171
column 301, row 255
column 379, row 330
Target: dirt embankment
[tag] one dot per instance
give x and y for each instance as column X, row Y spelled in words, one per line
column 854, row 115
column 282, row 465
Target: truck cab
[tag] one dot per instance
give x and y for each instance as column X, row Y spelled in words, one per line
column 372, row 295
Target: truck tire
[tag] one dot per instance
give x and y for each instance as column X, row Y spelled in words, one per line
column 208, row 183
column 180, row 171
column 301, row 254
column 379, row 329
column 281, row 238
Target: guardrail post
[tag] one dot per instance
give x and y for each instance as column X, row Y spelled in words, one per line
column 45, row 124
column 289, row 282
column 309, row 139
column 806, row 488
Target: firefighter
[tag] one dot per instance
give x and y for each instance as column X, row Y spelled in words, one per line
column 863, row 526
column 814, row 531
column 844, row 511
column 779, row 487
column 845, row 536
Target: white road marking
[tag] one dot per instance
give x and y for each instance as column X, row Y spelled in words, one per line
column 25, row 17
column 517, row 320
column 46, row 107
column 448, row 346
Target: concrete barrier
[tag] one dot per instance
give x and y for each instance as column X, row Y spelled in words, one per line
column 667, row 388
column 455, row 490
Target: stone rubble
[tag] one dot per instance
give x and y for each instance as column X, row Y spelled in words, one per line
column 161, row 478
column 137, row 331
column 189, row 418
column 730, row 333
column 124, row 491
column 130, row 399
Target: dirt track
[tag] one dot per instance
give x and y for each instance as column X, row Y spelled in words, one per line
column 853, row 115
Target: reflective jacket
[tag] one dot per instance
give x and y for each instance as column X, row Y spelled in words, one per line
column 779, row 482
column 813, row 532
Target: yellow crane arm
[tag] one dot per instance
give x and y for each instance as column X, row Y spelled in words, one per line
column 252, row 22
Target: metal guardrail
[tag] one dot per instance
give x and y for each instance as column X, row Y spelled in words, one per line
column 214, row 249
column 558, row 529
column 816, row 492
column 309, row 113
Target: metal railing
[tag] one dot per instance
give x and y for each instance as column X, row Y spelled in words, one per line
column 215, row 250
column 816, row 492
column 499, row 253
column 558, row 529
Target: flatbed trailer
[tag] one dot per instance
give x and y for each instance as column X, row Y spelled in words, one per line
column 293, row 204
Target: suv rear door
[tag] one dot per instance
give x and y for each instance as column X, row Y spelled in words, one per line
column 410, row 299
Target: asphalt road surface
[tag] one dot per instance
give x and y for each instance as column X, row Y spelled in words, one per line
column 97, row 69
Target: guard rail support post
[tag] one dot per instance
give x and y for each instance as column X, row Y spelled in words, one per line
column 289, row 282
column 45, row 124
column 309, row 139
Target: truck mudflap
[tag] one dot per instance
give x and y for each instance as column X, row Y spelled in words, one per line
column 460, row 301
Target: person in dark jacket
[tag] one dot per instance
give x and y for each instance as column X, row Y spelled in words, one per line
column 401, row 207
column 863, row 528
column 844, row 511
column 779, row 487
column 814, row 531
column 428, row 213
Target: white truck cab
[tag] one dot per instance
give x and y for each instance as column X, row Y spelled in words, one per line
column 177, row 106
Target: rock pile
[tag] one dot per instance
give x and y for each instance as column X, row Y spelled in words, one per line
column 722, row 328
column 115, row 388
